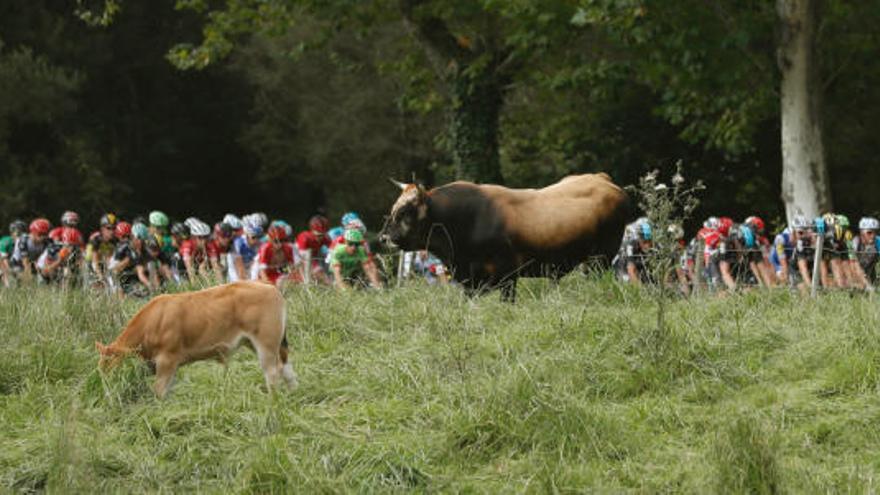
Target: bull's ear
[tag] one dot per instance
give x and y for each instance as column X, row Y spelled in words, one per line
column 422, row 189
column 401, row 185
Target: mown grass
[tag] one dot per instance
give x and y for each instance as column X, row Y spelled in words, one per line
column 572, row 389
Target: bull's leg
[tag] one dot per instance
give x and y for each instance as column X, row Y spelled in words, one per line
column 166, row 367
column 270, row 361
column 286, row 368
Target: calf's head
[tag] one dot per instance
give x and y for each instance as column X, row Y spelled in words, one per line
column 407, row 225
column 109, row 355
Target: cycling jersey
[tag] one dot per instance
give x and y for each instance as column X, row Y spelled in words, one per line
column 241, row 249
column 100, row 246
column 190, row 248
column 349, row 263
column 7, row 244
column 308, row 241
column 27, row 249
column 276, row 262
column 867, row 255
column 783, row 249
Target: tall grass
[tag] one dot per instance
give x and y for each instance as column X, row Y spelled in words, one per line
column 572, row 389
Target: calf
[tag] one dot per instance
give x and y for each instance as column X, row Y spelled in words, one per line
column 176, row 329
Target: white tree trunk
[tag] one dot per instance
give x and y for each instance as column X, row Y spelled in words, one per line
column 805, row 185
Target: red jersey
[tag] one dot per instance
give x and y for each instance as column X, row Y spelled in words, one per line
column 275, row 261
column 189, row 249
column 308, row 241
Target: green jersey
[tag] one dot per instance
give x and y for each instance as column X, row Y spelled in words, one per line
column 7, row 244
column 349, row 263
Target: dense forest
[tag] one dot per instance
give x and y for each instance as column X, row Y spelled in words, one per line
column 200, row 107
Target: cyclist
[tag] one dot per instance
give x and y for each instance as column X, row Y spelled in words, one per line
column 130, row 265
column 70, row 220
column 159, row 231
column 866, row 249
column 783, row 251
column 59, row 262
column 241, row 256
column 312, row 245
column 836, row 252
column 200, row 254
column 223, row 236
column 277, row 259
column 100, row 249
column 805, row 254
column 351, row 263
column 234, row 222
column 29, row 247
column 7, row 246
column 680, row 258
column 720, row 274
column 179, row 234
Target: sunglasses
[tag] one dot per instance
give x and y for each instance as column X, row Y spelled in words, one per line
column 353, row 244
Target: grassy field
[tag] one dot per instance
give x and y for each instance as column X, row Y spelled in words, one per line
column 573, row 389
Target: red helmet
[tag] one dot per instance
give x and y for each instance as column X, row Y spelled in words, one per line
column 724, row 225
column 277, row 233
column 755, row 222
column 123, row 229
column 40, row 226
column 71, row 237
column 69, row 219
column 55, row 234
column 319, row 223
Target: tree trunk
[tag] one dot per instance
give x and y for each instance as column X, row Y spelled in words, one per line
column 473, row 128
column 805, row 183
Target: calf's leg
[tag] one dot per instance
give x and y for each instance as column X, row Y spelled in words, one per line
column 166, row 367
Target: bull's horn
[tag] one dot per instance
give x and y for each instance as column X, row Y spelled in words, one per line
column 401, row 185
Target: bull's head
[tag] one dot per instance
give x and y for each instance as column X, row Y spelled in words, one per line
column 407, row 225
column 110, row 356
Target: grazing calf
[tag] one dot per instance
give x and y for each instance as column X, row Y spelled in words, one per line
column 176, row 329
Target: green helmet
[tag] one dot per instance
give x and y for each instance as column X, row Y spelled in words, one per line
column 843, row 221
column 140, row 231
column 354, row 235
column 158, row 219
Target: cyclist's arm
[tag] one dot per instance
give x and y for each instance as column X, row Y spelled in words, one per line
column 372, row 273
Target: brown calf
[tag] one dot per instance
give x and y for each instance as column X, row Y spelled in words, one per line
column 176, row 329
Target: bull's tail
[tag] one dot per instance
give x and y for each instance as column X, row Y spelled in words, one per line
column 284, row 349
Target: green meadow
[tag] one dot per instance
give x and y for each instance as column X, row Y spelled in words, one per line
column 420, row 389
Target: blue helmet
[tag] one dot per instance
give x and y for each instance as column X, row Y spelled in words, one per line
column 819, row 224
column 348, row 217
column 645, row 231
column 335, row 232
column 747, row 235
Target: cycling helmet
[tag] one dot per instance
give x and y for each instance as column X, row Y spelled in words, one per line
column 335, row 232
column 123, row 229
column 645, row 232
column 354, row 235
column 843, row 221
column 748, row 235
column 800, row 222
column 252, row 228
column 139, row 219
column 158, row 219
column 357, row 224
column 140, row 231
column 233, row 221
column 108, row 219
column 319, row 223
column 69, row 219
column 277, row 233
column 55, row 234
column 819, row 225
column 40, row 226
column 675, row 231
column 261, row 219
column 756, row 222
column 199, row 229
column 223, row 229
column 180, row 230
column 869, row 223
column 711, row 223
column 71, row 237
column 349, row 217
column 18, row 227
column 724, row 225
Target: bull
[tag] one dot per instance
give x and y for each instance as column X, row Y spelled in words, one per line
column 489, row 235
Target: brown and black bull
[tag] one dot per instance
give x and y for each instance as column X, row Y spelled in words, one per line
column 490, row 235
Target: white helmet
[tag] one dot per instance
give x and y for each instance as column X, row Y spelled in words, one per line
column 197, row 227
column 711, row 223
column 869, row 223
column 233, row 221
column 675, row 231
column 800, row 222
